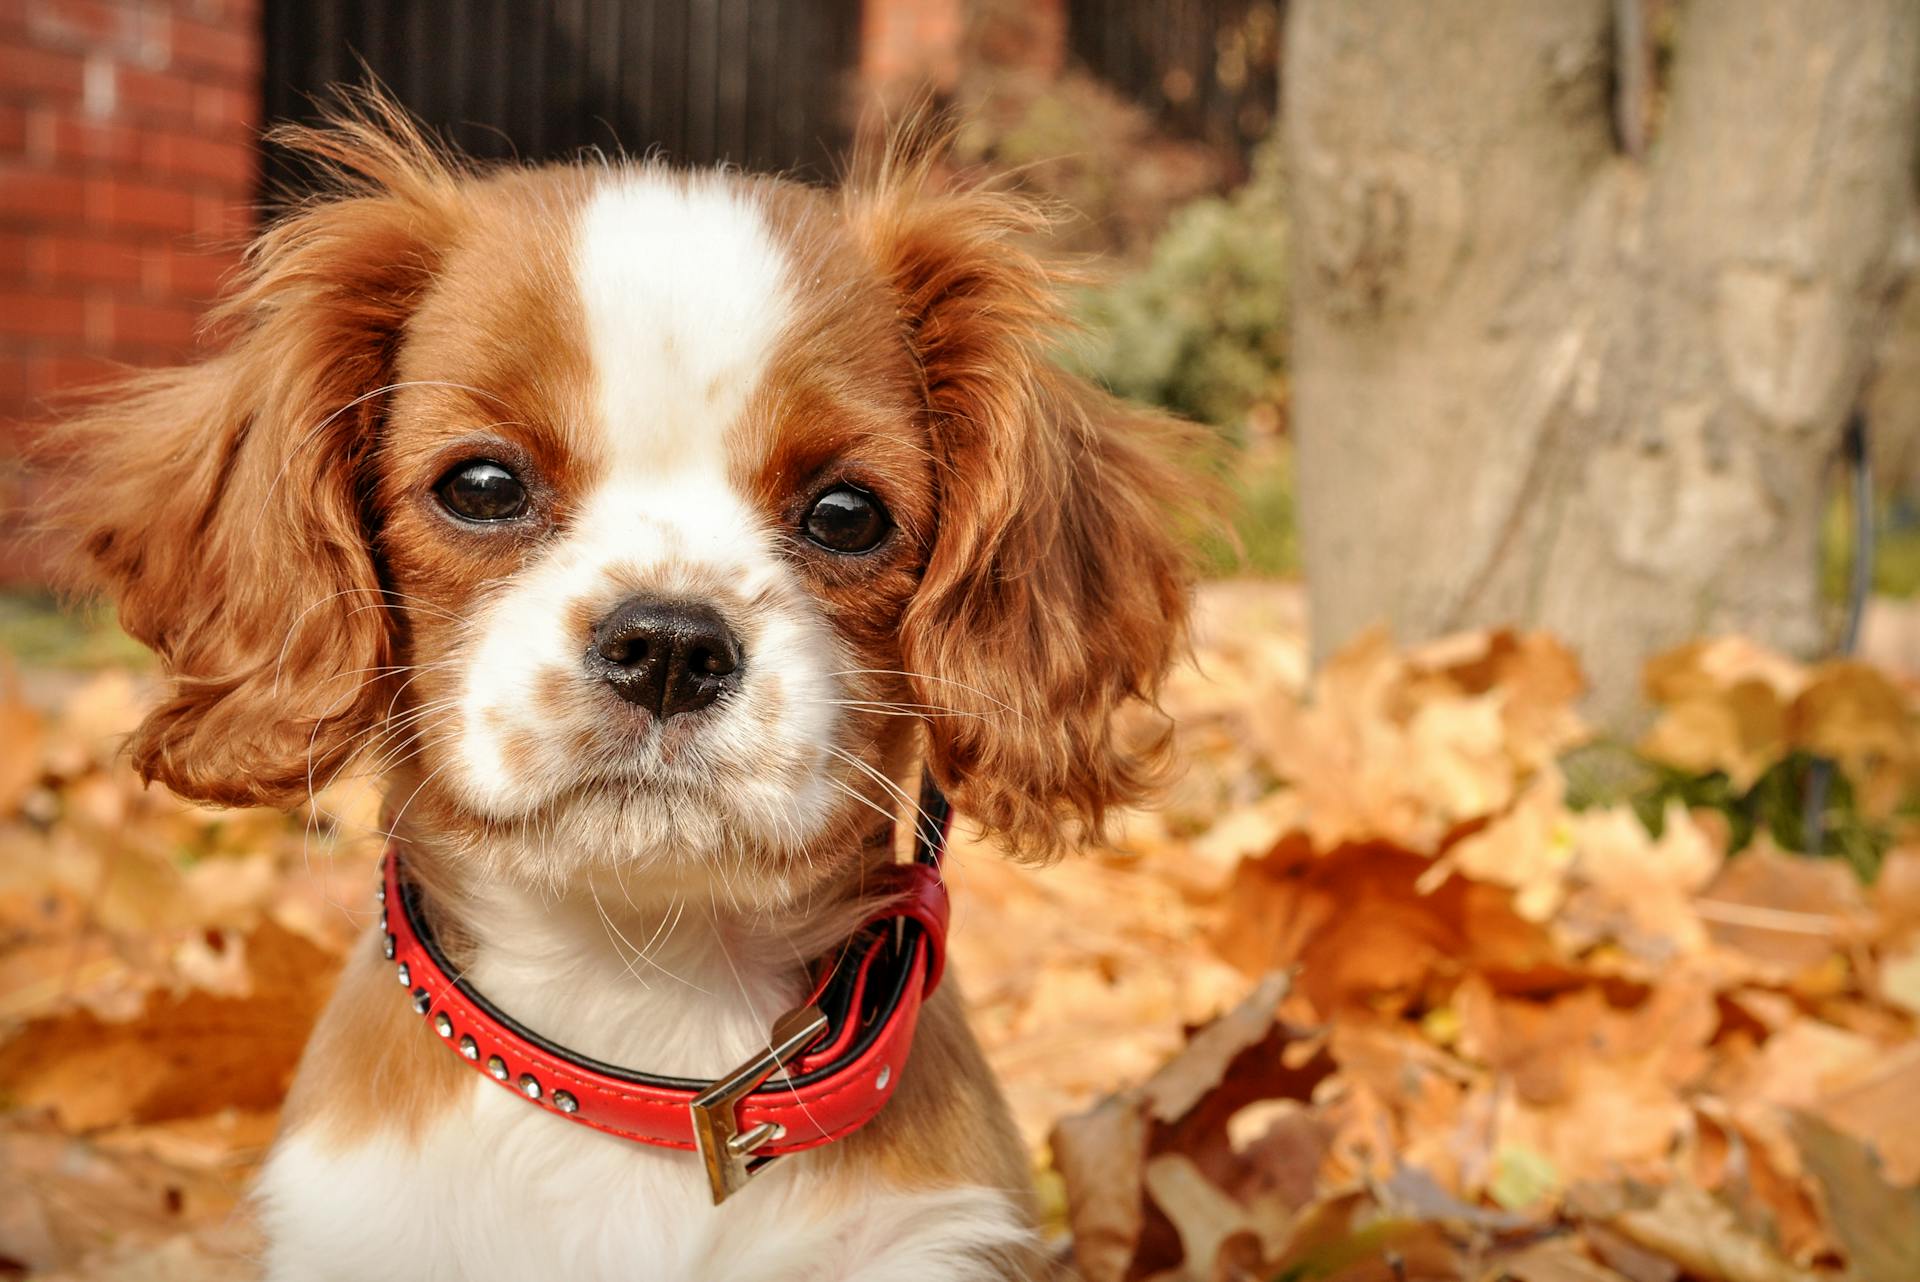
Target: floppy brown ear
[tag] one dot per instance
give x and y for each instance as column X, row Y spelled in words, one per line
column 220, row 505
column 1057, row 588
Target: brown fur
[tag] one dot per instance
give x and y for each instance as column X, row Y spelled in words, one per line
column 367, row 1068
column 1057, row 589
column 220, row 505
column 264, row 521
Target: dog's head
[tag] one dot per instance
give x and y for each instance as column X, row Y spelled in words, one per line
column 627, row 514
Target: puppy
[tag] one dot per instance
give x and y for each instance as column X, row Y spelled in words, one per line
column 650, row 533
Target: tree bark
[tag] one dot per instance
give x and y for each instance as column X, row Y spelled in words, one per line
column 1893, row 394
column 1537, row 380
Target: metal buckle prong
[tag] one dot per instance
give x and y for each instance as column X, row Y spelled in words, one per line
column 726, row 1150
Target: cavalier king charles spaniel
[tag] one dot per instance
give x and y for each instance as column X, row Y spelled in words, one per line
column 652, row 534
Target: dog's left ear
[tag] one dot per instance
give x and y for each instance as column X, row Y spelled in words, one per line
column 222, row 506
column 1057, row 588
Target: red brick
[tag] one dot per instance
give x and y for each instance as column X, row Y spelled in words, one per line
column 13, row 383
column 13, row 16
column 223, row 220
column 80, row 260
column 13, row 129
column 46, row 375
column 38, row 314
column 33, row 74
column 64, row 136
column 222, row 12
column 166, row 325
column 33, row 195
column 113, row 202
column 231, row 52
column 145, row 94
column 210, row 10
column 199, row 277
column 14, row 247
column 83, row 24
column 226, row 111
column 231, row 165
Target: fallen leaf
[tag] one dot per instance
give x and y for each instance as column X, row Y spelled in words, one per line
column 1873, row 1101
column 1703, row 1237
column 90, row 1073
column 1855, row 715
column 1555, row 1261
column 1186, row 1108
column 1522, row 1178
column 1877, row 1224
column 1786, row 913
column 21, row 729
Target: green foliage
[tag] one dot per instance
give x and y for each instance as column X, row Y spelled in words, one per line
column 1201, row 328
column 1777, row 803
column 1896, row 549
column 1266, row 540
column 35, row 630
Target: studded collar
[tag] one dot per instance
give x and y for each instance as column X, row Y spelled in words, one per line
column 829, row 1067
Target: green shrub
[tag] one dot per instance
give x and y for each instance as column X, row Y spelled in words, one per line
column 1266, row 541
column 1202, row 327
column 1607, row 773
column 1896, row 549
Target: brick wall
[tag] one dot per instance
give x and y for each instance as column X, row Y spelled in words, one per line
column 127, row 181
column 911, row 44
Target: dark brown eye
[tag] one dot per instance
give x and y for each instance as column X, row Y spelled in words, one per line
column 846, row 520
column 482, row 490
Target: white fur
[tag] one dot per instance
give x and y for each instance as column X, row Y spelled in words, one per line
column 501, row 1191
column 685, row 294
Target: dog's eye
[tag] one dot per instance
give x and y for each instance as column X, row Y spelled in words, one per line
column 847, row 520
column 482, row 490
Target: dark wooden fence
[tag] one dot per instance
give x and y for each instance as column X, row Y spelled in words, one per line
column 760, row 83
column 1209, row 69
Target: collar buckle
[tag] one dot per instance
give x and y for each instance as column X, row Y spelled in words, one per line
column 724, row 1148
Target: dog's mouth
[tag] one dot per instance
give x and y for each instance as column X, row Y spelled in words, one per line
column 669, row 795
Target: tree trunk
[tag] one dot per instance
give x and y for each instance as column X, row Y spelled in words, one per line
column 1893, row 394
column 1538, row 380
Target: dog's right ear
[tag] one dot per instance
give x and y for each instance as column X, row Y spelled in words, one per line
column 220, row 506
column 1056, row 592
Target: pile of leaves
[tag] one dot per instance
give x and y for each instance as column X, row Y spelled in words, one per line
column 1399, row 985
column 1486, row 1034
column 160, row 968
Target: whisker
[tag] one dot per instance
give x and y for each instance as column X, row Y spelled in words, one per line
column 850, row 791
column 925, row 676
column 923, row 710
column 616, row 937
column 895, row 789
column 394, row 829
column 361, row 399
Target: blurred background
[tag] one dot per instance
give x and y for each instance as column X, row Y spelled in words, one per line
column 1481, row 287
column 1557, row 700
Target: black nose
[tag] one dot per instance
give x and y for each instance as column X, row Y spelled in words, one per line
column 669, row 657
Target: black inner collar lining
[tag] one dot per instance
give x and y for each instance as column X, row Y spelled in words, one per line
column 886, row 984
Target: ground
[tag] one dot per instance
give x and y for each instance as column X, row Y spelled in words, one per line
column 1462, row 1014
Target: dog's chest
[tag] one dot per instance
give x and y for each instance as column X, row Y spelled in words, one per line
column 498, row 1189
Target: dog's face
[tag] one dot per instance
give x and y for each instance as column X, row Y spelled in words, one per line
column 654, row 563
column 639, row 518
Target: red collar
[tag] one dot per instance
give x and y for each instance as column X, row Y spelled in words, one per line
column 843, row 1050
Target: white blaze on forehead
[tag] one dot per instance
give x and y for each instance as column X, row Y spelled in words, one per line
column 685, row 291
